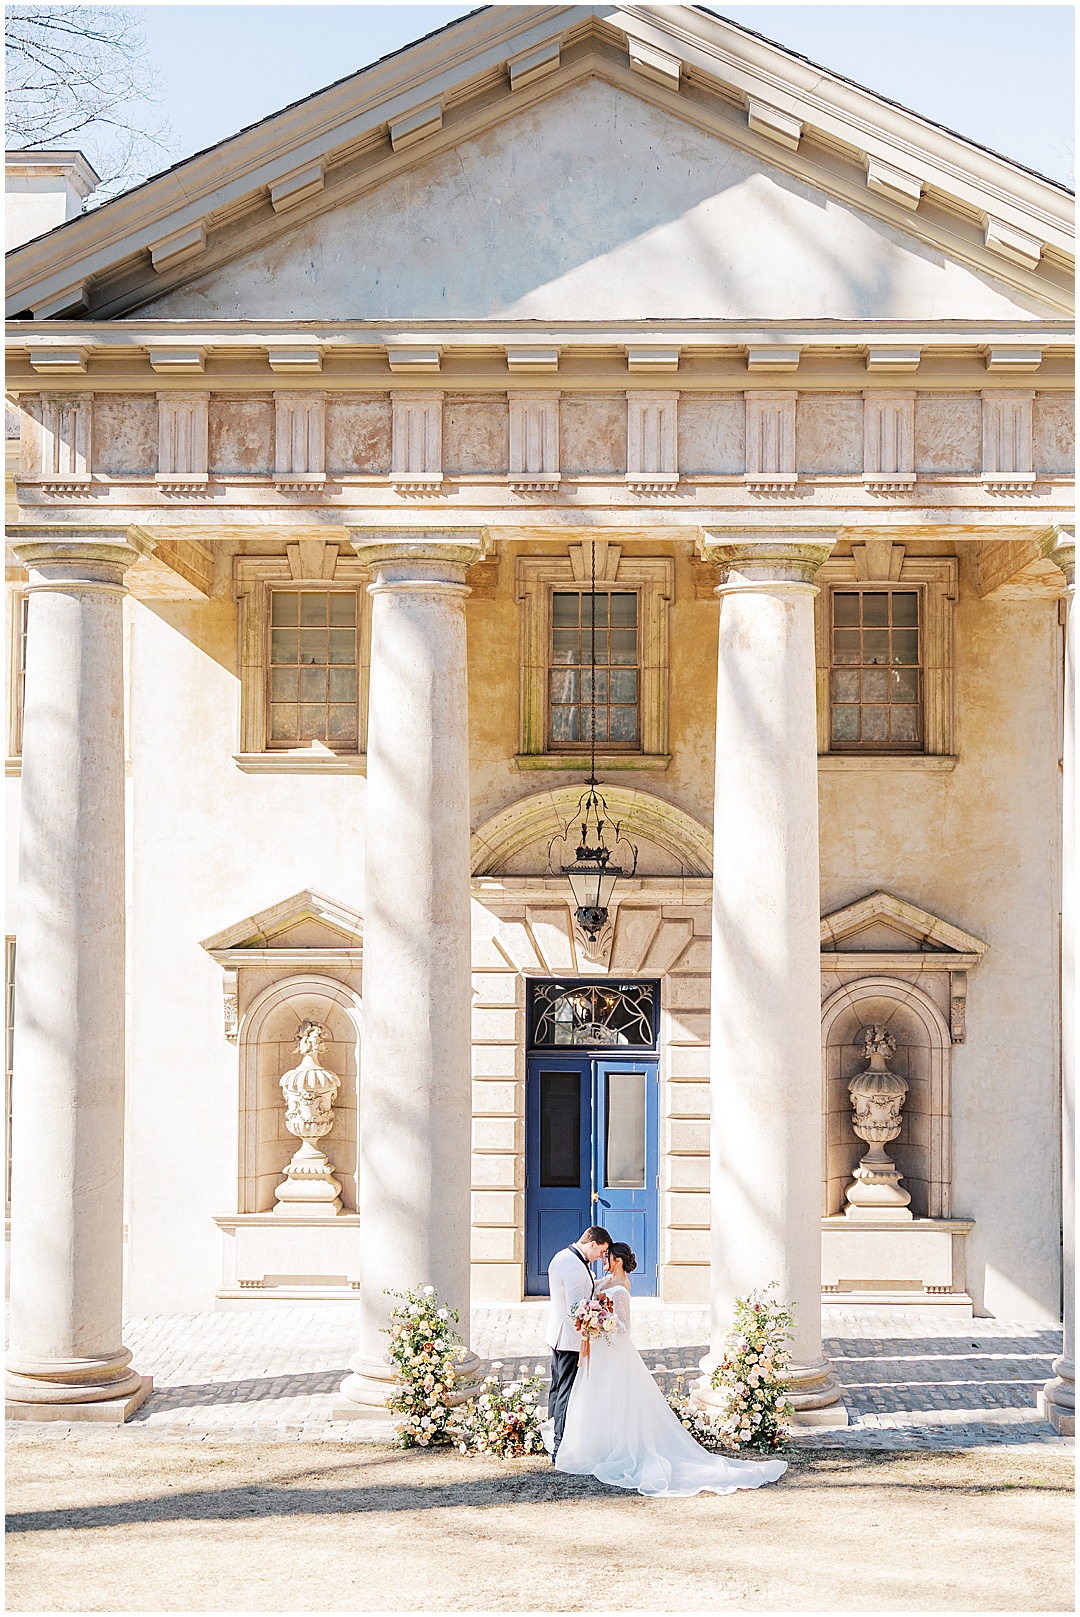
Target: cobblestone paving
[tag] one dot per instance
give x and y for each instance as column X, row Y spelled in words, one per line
column 911, row 1380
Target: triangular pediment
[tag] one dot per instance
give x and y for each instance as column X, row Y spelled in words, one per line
column 882, row 924
column 580, row 162
column 306, row 920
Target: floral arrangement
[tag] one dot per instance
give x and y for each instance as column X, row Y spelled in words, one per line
column 594, row 1319
column 503, row 1419
column 423, row 1346
column 701, row 1428
column 753, row 1374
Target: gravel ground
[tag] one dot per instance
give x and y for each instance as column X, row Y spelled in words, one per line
column 166, row 1526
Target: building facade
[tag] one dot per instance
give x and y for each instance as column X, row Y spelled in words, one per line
column 582, row 389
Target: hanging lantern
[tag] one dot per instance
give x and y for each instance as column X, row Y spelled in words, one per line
column 593, row 872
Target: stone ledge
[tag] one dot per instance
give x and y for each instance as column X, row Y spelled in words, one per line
column 845, row 762
column 291, row 763
column 578, row 761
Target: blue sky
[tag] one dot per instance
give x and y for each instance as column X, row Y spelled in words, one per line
column 1000, row 74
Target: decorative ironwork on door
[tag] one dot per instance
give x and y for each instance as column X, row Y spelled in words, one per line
column 592, row 1013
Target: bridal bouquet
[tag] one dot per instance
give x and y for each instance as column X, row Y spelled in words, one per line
column 594, row 1320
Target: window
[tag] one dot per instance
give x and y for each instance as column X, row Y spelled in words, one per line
column 560, row 663
column 588, row 1013
column 313, row 668
column 20, row 605
column 304, row 631
column 594, row 660
column 875, row 698
column 884, row 632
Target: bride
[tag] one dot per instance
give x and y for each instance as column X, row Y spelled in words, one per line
column 620, row 1429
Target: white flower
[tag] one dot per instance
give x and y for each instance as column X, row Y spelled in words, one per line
column 429, row 1291
column 444, row 1313
column 496, row 1364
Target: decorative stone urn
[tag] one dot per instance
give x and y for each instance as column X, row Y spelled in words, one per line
column 877, row 1096
column 309, row 1186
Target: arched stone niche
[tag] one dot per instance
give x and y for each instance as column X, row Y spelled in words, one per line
column 267, row 1041
column 923, row 1150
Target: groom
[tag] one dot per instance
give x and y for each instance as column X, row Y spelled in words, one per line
column 570, row 1281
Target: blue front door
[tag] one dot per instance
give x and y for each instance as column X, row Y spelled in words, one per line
column 592, row 1156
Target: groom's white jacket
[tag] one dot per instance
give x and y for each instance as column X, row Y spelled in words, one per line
column 569, row 1282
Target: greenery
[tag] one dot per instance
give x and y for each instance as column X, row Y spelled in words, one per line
column 423, row 1346
column 697, row 1423
column 752, row 1376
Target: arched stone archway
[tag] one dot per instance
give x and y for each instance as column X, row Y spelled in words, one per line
column 514, row 842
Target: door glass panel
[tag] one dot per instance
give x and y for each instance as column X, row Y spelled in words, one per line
column 624, row 1150
column 560, row 1130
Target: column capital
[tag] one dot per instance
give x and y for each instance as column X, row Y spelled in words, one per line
column 406, row 557
column 751, row 557
column 61, row 557
column 1059, row 545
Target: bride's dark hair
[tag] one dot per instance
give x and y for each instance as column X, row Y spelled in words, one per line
column 620, row 1250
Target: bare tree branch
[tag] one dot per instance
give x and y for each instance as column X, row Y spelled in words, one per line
column 83, row 72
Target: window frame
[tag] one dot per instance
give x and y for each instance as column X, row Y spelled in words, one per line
column 537, row 578
column 583, row 748
column 937, row 580
column 893, row 748
column 327, row 588
column 18, row 601
column 255, row 579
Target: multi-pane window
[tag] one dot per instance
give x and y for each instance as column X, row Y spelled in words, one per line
column 876, row 673
column 593, row 668
column 21, row 609
column 313, row 669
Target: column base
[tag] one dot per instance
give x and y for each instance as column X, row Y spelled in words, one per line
column 814, row 1391
column 372, row 1383
column 1056, row 1401
column 104, row 1411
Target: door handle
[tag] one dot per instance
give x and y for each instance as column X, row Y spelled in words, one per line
column 595, row 1196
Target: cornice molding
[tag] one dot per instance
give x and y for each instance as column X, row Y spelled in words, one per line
column 470, row 60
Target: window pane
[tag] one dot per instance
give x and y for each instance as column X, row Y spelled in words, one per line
column 875, row 608
column 905, row 645
column 342, row 725
column 845, row 724
column 564, row 724
column 624, row 611
column 564, row 609
column 905, row 608
column 566, row 646
column 343, row 608
column 904, row 684
column 343, row 685
column 594, row 681
column 624, row 646
column 595, row 649
column 283, row 684
column 313, row 684
column 624, row 1135
column 560, row 1130
column 905, row 723
column 875, row 724
column 623, row 685
column 875, row 685
column 564, row 686
column 845, row 609
column 313, row 644
column 312, row 608
column 313, row 723
column 283, row 645
column 876, row 645
column 845, row 685
column 342, row 646
column 623, row 723
column 283, row 607
column 283, row 719
column 846, row 646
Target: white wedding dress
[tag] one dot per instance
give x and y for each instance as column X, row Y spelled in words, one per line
column 620, row 1429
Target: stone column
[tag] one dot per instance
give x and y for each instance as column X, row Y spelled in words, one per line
column 415, row 1067
column 1057, row 1399
column 766, row 966
column 67, row 1360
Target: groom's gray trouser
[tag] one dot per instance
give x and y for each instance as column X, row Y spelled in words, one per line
column 564, row 1367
